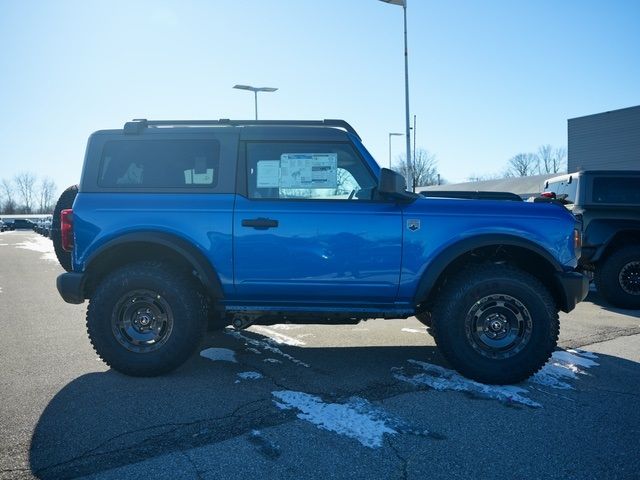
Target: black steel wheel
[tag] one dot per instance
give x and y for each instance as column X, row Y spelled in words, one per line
column 495, row 323
column 498, row 326
column 617, row 277
column 146, row 319
column 142, row 321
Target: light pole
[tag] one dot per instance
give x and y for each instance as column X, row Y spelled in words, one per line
column 392, row 135
column 255, row 91
column 403, row 4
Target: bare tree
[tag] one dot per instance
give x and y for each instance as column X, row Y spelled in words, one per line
column 559, row 159
column 523, row 165
column 26, row 182
column 551, row 160
column 46, row 195
column 424, row 169
column 9, row 203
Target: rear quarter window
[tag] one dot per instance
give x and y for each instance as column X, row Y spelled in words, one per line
column 617, row 190
column 142, row 164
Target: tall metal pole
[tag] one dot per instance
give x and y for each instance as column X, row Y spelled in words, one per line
column 414, row 139
column 255, row 93
column 406, row 93
column 389, row 151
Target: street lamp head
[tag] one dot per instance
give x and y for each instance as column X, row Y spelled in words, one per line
column 402, row 3
column 255, row 89
column 396, row 134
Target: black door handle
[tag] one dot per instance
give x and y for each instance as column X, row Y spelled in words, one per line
column 260, row 223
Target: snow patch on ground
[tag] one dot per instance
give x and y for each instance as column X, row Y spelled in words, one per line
column 412, row 330
column 265, row 345
column 42, row 245
column 440, row 378
column 357, row 419
column 250, row 375
column 272, row 360
column 277, row 336
column 563, row 366
column 219, row 354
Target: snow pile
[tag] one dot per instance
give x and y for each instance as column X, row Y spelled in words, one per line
column 265, row 345
column 440, row 378
column 42, row 245
column 219, row 354
column 562, row 366
column 267, row 360
column 250, row 375
column 357, row 419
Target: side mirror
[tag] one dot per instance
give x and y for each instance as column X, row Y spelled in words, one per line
column 394, row 185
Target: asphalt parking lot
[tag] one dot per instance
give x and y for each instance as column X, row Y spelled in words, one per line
column 373, row 400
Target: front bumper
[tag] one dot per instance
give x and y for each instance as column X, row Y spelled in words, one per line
column 71, row 287
column 574, row 287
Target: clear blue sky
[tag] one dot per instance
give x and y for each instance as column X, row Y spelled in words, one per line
column 488, row 79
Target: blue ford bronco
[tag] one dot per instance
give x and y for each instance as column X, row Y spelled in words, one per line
column 177, row 225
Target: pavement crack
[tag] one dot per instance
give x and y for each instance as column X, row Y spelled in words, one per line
column 173, row 436
column 403, row 461
column 197, row 472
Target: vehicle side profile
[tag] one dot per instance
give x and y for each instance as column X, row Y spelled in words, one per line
column 176, row 224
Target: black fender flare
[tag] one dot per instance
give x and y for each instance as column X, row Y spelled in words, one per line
column 186, row 250
column 600, row 233
column 438, row 265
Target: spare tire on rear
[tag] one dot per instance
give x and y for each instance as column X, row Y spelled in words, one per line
column 65, row 201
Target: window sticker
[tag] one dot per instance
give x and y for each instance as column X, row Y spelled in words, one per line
column 308, row 170
column 268, row 174
column 192, row 177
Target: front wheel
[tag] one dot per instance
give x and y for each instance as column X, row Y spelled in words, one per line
column 146, row 319
column 495, row 324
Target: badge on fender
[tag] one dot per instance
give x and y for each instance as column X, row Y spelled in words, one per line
column 413, row 225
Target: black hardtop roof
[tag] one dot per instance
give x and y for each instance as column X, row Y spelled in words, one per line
column 137, row 126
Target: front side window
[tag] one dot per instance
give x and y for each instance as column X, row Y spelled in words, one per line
column 310, row 171
column 160, row 164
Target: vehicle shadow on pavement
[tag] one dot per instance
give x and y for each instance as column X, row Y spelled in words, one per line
column 105, row 420
column 596, row 299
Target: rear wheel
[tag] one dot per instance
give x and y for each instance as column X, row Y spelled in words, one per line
column 65, row 201
column 617, row 278
column 146, row 319
column 495, row 324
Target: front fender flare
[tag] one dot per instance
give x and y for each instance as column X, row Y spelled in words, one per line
column 438, row 265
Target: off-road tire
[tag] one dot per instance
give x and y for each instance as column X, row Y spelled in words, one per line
column 464, row 292
column 175, row 288
column 425, row 318
column 608, row 281
column 65, row 201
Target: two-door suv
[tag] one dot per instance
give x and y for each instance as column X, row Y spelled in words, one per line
column 180, row 223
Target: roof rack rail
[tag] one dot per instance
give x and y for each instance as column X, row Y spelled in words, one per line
column 137, row 124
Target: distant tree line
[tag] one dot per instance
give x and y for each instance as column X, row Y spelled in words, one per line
column 546, row 160
column 26, row 193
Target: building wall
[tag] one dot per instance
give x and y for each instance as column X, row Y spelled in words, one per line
column 605, row 141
